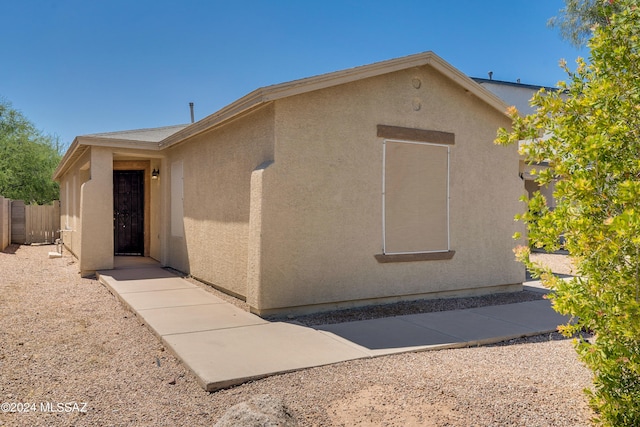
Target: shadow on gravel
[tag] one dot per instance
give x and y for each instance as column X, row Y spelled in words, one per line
column 408, row 307
column 553, row 336
column 11, row 249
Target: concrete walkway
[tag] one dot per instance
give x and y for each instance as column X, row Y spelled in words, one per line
column 224, row 345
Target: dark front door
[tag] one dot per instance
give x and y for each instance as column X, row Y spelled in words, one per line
column 128, row 212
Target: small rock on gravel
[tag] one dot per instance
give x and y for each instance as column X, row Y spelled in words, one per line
column 260, row 411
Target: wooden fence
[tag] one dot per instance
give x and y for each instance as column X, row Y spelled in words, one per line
column 27, row 224
column 5, row 223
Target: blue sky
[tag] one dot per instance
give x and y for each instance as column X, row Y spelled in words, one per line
column 76, row 67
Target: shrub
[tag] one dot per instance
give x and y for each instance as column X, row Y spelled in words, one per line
column 589, row 134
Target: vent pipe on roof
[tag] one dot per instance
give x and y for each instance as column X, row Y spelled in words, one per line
column 191, row 108
column 490, row 75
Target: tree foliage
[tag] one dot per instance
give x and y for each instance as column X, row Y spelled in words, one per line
column 589, row 133
column 27, row 159
column 578, row 18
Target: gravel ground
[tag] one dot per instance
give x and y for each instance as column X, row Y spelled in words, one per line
column 560, row 264
column 64, row 339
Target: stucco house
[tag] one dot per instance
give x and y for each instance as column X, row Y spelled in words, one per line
column 372, row 184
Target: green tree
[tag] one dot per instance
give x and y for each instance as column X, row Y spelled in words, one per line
column 589, row 133
column 578, row 18
column 27, row 159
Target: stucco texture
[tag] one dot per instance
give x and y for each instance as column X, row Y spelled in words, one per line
column 70, row 219
column 217, row 184
column 96, row 211
column 321, row 205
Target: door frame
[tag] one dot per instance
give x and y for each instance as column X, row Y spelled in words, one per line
column 143, row 165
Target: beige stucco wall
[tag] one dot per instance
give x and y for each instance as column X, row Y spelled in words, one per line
column 155, row 210
column 321, row 222
column 70, row 187
column 217, row 182
column 96, row 211
column 86, row 204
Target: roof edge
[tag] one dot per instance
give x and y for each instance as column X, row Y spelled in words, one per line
column 322, row 81
column 243, row 104
column 117, row 142
column 81, row 142
column 62, row 165
column 348, row 75
column 515, row 84
column 271, row 93
column 116, row 134
column 295, row 87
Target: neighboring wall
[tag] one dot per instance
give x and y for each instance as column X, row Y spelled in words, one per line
column 532, row 186
column 212, row 242
column 322, row 197
column 518, row 95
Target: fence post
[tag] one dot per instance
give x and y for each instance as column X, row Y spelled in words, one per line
column 5, row 223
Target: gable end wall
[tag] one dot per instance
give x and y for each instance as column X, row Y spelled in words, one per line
column 322, row 209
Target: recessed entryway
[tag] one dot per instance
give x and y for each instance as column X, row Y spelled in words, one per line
column 128, row 212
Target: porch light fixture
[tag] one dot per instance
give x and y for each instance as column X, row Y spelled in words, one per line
column 155, row 174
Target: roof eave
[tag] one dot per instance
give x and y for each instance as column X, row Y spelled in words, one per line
column 117, row 143
column 66, row 159
column 80, row 144
column 296, row 87
column 323, row 81
column 234, row 109
column 309, row 84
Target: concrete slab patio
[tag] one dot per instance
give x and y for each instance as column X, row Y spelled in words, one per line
column 224, row 345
